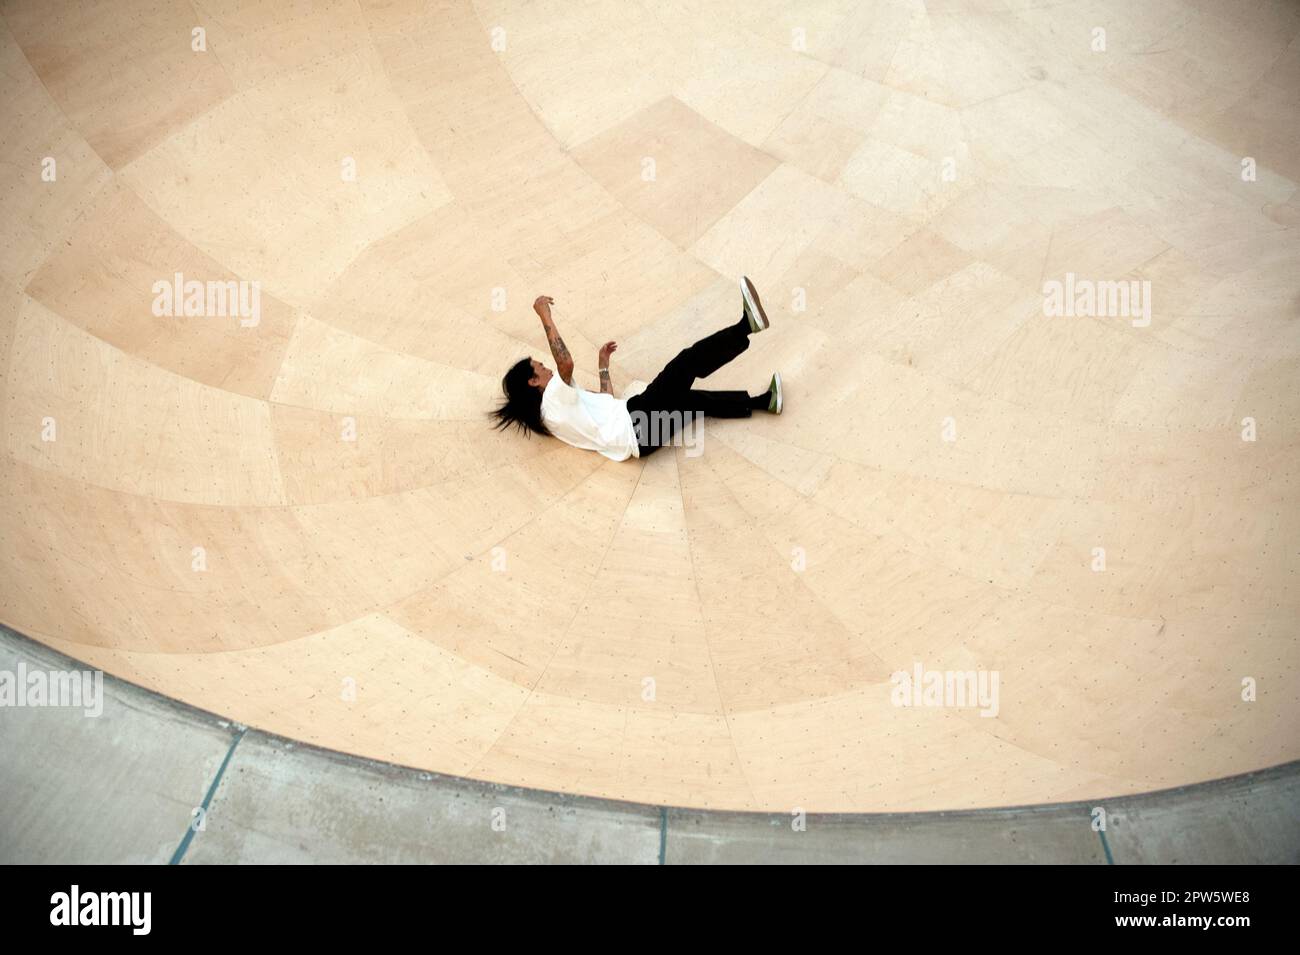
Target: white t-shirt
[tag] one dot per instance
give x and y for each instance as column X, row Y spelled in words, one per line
column 590, row 420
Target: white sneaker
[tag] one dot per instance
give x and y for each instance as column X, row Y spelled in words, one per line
column 753, row 306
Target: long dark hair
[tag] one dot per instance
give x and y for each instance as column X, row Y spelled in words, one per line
column 523, row 404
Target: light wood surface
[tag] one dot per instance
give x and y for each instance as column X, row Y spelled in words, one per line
column 715, row 630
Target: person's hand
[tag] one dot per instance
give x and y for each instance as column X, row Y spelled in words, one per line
column 542, row 305
column 606, row 350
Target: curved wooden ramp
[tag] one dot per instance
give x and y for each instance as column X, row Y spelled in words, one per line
column 306, row 525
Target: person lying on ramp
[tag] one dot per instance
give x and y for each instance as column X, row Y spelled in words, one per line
column 545, row 402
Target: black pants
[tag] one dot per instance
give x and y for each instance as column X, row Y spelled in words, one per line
column 670, row 400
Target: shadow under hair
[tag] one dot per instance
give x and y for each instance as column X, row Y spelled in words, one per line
column 523, row 405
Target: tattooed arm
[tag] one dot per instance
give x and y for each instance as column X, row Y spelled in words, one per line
column 563, row 360
column 602, row 362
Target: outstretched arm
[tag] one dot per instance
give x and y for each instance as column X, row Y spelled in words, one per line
column 563, row 360
column 602, row 362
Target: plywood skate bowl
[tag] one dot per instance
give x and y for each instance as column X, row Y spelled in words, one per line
column 306, row 524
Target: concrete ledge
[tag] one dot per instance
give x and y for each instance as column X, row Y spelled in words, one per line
column 282, row 802
column 153, row 780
